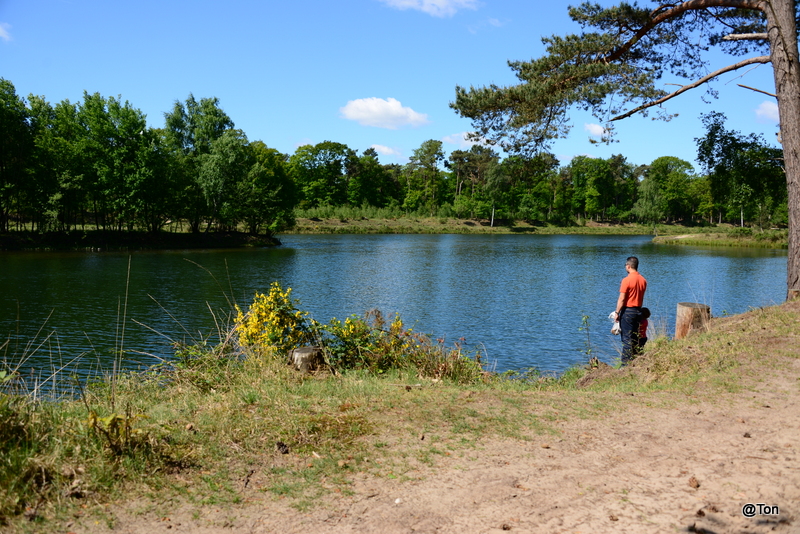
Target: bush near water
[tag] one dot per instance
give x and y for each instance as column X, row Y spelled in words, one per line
column 124, row 429
column 274, row 325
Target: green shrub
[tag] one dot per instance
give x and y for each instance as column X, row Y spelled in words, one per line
column 274, row 324
column 741, row 232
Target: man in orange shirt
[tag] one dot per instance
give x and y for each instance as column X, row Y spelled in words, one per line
column 629, row 308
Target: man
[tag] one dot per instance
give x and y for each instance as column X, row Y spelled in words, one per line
column 629, row 305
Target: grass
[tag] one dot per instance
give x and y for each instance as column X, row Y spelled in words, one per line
column 202, row 431
column 311, row 223
column 356, row 221
column 732, row 237
column 370, row 220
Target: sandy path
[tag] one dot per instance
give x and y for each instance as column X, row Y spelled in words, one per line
column 687, row 468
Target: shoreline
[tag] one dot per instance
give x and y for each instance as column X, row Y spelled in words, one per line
column 103, row 240
column 723, row 240
column 221, row 448
column 718, row 236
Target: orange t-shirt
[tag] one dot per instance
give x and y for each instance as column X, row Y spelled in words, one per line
column 634, row 286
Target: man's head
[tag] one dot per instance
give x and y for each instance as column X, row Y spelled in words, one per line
column 632, row 262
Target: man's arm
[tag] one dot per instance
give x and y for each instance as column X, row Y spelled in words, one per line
column 620, row 303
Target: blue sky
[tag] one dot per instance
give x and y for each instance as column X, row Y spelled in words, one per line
column 360, row 72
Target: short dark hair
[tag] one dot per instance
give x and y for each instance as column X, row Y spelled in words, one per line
column 633, row 261
column 645, row 313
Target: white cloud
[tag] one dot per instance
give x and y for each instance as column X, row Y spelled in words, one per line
column 436, row 8
column 767, row 111
column 460, row 139
column 5, row 33
column 385, row 150
column 595, row 130
column 482, row 25
column 388, row 113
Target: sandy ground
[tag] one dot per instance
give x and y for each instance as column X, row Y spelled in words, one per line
column 691, row 467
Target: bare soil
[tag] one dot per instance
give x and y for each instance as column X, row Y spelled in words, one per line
column 682, row 461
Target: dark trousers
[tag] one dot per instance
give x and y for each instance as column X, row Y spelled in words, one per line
column 629, row 325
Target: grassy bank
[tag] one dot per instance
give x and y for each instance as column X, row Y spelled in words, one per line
column 445, row 225
column 718, row 236
column 733, row 237
column 342, row 220
column 223, row 418
column 354, row 221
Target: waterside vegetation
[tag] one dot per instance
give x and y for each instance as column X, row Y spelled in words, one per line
column 369, row 220
column 344, row 220
column 735, row 237
column 95, row 166
column 219, row 417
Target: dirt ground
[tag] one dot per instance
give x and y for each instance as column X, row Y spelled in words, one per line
column 692, row 466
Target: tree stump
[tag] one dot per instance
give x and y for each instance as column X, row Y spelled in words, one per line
column 691, row 316
column 306, row 359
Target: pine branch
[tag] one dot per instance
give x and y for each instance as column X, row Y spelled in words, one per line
column 701, row 81
column 676, row 10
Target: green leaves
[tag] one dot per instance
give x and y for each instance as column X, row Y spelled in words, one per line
column 607, row 69
column 746, row 175
column 321, row 172
column 15, row 146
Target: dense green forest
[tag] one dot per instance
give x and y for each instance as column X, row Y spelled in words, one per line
column 96, row 164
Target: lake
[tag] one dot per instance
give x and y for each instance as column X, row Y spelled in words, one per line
column 520, row 299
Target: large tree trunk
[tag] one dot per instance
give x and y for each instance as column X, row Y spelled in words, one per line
column 783, row 51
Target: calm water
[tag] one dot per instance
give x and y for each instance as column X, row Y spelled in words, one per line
column 521, row 299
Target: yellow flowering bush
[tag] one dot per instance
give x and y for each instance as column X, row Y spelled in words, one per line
column 273, row 321
column 348, row 342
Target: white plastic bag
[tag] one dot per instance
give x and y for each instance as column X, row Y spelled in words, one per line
column 614, row 329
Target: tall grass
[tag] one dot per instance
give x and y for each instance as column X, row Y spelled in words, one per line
column 218, row 413
column 123, row 426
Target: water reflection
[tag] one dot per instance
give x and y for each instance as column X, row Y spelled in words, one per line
column 519, row 297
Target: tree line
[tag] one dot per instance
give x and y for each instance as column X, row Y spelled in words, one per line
column 96, row 163
column 620, row 63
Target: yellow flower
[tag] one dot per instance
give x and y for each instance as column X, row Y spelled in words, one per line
column 272, row 322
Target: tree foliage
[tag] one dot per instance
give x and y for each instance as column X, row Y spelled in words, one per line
column 320, row 172
column 746, row 176
column 97, row 163
column 613, row 66
column 424, row 178
column 15, row 145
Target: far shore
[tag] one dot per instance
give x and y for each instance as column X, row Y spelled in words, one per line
column 102, row 241
column 669, row 234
